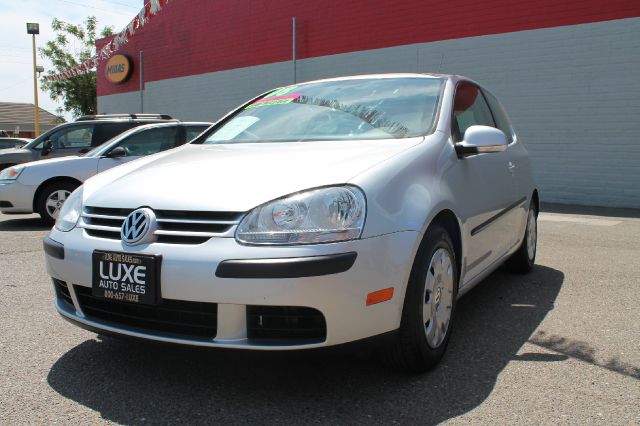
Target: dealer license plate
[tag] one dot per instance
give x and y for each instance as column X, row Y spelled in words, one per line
column 126, row 277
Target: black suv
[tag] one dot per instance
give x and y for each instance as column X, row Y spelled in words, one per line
column 77, row 137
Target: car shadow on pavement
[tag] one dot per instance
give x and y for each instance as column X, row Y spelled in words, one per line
column 129, row 382
column 22, row 223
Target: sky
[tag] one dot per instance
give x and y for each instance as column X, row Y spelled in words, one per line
column 16, row 54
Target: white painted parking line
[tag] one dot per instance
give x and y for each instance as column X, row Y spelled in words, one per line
column 555, row 217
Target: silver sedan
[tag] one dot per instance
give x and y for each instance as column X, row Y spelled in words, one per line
column 314, row 215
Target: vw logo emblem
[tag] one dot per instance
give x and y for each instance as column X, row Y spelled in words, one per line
column 139, row 227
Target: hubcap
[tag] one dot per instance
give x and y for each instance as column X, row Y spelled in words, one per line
column 438, row 298
column 532, row 234
column 55, row 200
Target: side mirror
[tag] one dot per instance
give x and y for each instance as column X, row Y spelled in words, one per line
column 47, row 147
column 117, row 152
column 481, row 139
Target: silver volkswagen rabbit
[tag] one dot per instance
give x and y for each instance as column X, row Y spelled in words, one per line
column 316, row 214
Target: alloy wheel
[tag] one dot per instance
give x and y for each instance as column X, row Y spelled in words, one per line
column 55, row 200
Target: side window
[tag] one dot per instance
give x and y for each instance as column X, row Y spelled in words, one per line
column 193, row 131
column 105, row 131
column 502, row 121
column 72, row 137
column 150, row 141
column 469, row 109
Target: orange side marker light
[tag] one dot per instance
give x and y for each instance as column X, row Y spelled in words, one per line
column 379, row 296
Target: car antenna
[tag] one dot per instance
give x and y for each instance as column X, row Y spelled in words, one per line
column 441, row 60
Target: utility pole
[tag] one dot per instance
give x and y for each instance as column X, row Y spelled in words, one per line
column 141, row 84
column 33, row 28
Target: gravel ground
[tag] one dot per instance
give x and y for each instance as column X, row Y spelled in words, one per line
column 560, row 345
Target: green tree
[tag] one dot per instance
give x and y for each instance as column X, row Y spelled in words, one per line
column 73, row 45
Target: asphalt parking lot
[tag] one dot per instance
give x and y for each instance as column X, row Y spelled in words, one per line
column 560, row 345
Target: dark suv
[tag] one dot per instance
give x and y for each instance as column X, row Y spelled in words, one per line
column 77, row 137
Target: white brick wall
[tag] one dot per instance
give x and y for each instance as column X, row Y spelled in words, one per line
column 572, row 92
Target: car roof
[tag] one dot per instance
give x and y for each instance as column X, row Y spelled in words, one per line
column 452, row 77
column 146, row 121
column 135, row 116
column 379, row 76
column 121, row 120
column 171, row 123
column 160, row 124
column 10, row 138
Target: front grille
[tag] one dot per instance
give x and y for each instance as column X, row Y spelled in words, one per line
column 174, row 318
column 62, row 291
column 279, row 325
column 174, row 226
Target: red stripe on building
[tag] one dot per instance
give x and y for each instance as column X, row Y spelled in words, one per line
column 199, row 36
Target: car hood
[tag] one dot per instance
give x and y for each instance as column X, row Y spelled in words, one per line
column 54, row 161
column 15, row 151
column 235, row 177
column 36, row 172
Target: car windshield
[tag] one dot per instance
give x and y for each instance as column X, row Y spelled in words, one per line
column 38, row 141
column 101, row 149
column 369, row 108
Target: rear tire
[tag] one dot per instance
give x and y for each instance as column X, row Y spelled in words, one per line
column 523, row 260
column 429, row 306
column 51, row 198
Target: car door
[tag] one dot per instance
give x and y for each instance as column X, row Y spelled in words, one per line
column 483, row 186
column 71, row 140
column 147, row 141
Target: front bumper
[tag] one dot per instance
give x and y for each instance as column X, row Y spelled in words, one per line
column 192, row 273
column 16, row 197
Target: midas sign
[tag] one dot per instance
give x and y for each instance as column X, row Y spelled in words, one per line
column 118, row 69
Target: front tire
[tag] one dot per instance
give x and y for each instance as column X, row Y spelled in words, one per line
column 51, row 198
column 429, row 306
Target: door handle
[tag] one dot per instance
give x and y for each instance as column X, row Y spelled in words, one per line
column 512, row 167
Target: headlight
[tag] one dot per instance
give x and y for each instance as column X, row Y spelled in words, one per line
column 70, row 211
column 317, row 216
column 11, row 173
